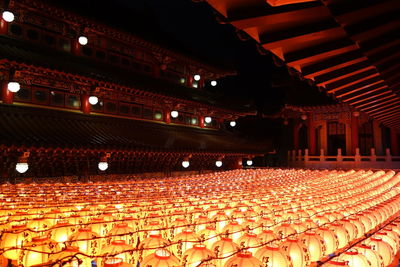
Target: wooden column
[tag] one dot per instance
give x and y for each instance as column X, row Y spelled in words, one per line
column 7, row 96
column 394, row 142
column 190, row 80
column 3, row 26
column 354, row 133
column 296, row 129
column 85, row 105
column 201, row 121
column 377, row 138
column 312, row 146
column 348, row 147
column 167, row 116
column 324, row 137
column 75, row 47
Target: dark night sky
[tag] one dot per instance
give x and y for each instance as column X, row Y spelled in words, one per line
column 192, row 29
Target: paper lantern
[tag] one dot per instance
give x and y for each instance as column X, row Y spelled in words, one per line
column 197, row 255
column 336, row 263
column 70, row 257
column 268, row 237
column 122, row 231
column 383, row 249
column 284, row 230
column 120, row 249
column 61, row 231
column 273, row 256
column 100, row 226
column 160, row 258
column 223, row 249
column 392, row 234
column 251, row 225
column 354, row 259
column 315, row 244
column 342, row 235
column 184, row 241
column 220, row 220
column 233, row 230
column 150, row 245
column 243, row 259
column 266, row 223
column 17, row 235
column 330, row 239
column 249, row 241
column 39, row 250
column 297, row 251
column 385, row 237
column 350, row 227
column 209, row 236
column 374, row 258
column 201, row 223
column 299, row 227
column 38, row 224
column 87, row 241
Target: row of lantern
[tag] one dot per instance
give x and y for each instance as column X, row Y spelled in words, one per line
column 379, row 216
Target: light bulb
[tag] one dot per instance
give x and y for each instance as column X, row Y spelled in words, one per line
column 93, row 100
column 13, row 87
column 249, row 162
column 83, row 40
column 22, row 167
column 197, row 77
column 8, row 16
column 185, row 163
column 218, row 163
column 207, row 119
column 103, row 165
column 232, row 123
column 213, row 83
column 174, row 114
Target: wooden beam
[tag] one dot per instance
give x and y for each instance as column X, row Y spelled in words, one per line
column 357, row 86
column 361, row 93
column 286, row 2
column 377, row 41
column 359, row 77
column 376, row 100
column 340, row 8
column 394, row 119
column 383, row 109
column 333, row 63
column 381, row 105
column 371, row 97
column 392, row 111
column 342, row 73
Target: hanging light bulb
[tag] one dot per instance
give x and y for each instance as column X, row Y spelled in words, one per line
column 197, row 77
column 185, row 164
column 232, row 123
column 22, row 167
column 213, row 83
column 13, row 87
column 93, row 100
column 249, row 162
column 207, row 119
column 8, row 16
column 174, row 114
column 218, row 163
column 103, row 165
column 83, row 40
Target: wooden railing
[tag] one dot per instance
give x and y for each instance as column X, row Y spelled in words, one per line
column 357, row 161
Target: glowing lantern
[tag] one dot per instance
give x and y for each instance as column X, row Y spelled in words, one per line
column 160, row 258
column 70, row 257
column 268, row 237
column 86, row 240
column 38, row 224
column 39, row 250
column 385, row 237
column 201, row 223
column 252, row 226
column 243, row 259
column 359, row 225
column 375, row 259
column 150, row 244
column 209, row 236
column 99, row 226
column 119, row 249
column 297, row 251
column 184, row 241
column 354, row 259
column 336, row 264
column 273, row 256
column 315, row 244
column 221, row 220
column 341, row 233
column 196, row 255
column 233, row 230
column 383, row 249
column 122, row 231
column 321, row 220
column 284, row 230
column 61, row 231
column 351, row 228
column 330, row 239
column 249, row 241
column 266, row 223
column 223, row 249
column 392, row 234
column 14, row 238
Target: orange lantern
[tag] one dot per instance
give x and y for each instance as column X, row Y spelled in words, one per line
column 383, row 249
column 343, row 236
column 160, row 258
column 87, row 241
column 122, row 231
column 119, row 249
column 354, row 259
column 61, row 231
column 70, row 257
column 38, row 251
column 330, row 239
column 268, row 237
column 243, row 259
column 184, row 241
column 336, row 263
column 209, row 236
column 249, row 241
column 197, row 255
column 14, row 237
column 297, row 251
column 223, row 249
column 151, row 244
column 233, row 230
column 39, row 224
column 374, row 258
column 284, row 230
column 315, row 244
column 273, row 256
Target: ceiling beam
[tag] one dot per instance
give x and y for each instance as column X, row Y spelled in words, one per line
column 357, row 86
column 381, row 105
column 377, row 41
column 377, row 99
column 359, row 77
column 333, row 63
column 339, row 74
column 393, row 112
column 373, row 85
column 340, row 8
column 382, row 110
column 372, row 97
column 364, row 92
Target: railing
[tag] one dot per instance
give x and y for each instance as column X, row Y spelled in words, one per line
column 358, row 161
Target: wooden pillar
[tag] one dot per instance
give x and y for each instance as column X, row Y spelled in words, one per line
column 312, row 146
column 85, row 105
column 348, row 150
column 377, row 138
column 167, row 116
column 75, row 47
column 324, row 137
column 200, row 83
column 394, row 142
column 190, row 80
column 296, row 129
column 7, row 96
column 354, row 133
column 3, row 26
column 201, row 121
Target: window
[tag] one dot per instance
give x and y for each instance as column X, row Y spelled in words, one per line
column 110, row 107
column 158, row 115
column 365, row 138
column 56, row 98
column 147, row 113
column 336, row 138
column 64, row 44
column 73, row 101
column 40, row 96
column 136, row 111
column 98, row 107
